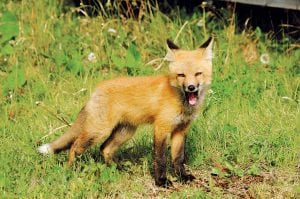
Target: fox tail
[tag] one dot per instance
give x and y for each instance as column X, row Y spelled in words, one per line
column 65, row 141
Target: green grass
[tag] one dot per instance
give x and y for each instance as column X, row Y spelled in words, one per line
column 249, row 126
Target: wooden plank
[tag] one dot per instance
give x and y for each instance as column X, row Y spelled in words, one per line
column 287, row 4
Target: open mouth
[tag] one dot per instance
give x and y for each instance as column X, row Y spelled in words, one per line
column 191, row 97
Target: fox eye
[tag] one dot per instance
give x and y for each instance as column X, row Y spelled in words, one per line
column 198, row 74
column 180, row 75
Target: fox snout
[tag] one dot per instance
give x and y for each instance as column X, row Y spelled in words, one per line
column 191, row 88
column 191, row 92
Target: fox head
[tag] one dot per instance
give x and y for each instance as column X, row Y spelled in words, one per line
column 191, row 70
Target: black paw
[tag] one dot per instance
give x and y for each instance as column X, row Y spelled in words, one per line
column 121, row 167
column 124, row 168
column 187, row 178
column 163, row 182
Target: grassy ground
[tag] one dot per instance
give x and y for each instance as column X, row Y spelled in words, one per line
column 244, row 144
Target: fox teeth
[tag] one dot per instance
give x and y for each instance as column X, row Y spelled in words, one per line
column 45, row 149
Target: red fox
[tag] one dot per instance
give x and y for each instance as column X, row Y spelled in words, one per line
column 169, row 102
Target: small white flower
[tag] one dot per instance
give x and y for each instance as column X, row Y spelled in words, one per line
column 265, row 58
column 111, row 30
column 10, row 94
column 91, row 57
column 200, row 23
column 287, row 98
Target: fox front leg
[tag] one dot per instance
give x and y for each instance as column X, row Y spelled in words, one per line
column 160, row 145
column 177, row 153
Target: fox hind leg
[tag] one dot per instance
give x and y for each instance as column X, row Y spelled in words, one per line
column 121, row 133
column 82, row 143
column 88, row 138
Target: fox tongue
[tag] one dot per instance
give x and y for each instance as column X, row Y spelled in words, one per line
column 192, row 98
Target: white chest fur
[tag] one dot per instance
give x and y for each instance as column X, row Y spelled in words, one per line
column 185, row 117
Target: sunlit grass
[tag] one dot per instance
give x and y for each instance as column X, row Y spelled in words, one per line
column 249, row 122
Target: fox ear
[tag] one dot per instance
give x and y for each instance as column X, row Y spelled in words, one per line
column 206, row 43
column 171, row 45
column 208, row 48
column 170, row 50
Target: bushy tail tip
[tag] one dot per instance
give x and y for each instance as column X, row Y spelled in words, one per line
column 45, row 149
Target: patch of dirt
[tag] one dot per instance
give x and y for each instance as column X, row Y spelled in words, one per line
column 269, row 184
column 233, row 187
column 238, row 186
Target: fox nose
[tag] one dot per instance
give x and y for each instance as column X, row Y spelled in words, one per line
column 191, row 87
